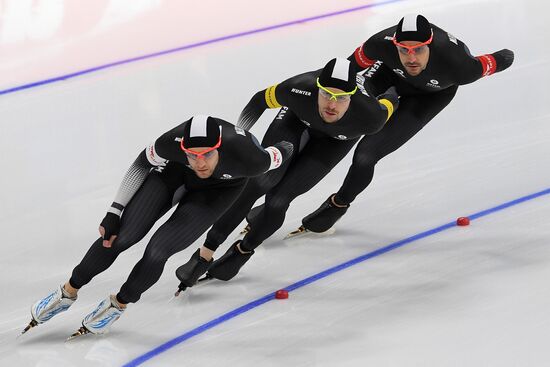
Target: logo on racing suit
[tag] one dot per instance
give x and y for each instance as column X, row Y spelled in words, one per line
column 360, row 81
column 433, row 83
column 372, row 69
column 240, row 131
column 452, row 39
column 226, row 176
column 281, row 113
column 400, row 72
column 154, row 159
column 305, row 122
column 299, row 91
column 341, row 137
column 276, row 157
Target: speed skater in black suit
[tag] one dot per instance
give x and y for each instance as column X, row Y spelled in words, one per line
column 330, row 109
column 202, row 165
column 426, row 65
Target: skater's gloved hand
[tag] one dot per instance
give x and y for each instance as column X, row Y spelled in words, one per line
column 109, row 228
column 504, row 59
column 286, row 148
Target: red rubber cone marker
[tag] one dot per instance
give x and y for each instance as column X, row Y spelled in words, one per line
column 281, row 294
column 463, row 221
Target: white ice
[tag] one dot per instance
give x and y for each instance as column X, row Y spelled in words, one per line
column 468, row 296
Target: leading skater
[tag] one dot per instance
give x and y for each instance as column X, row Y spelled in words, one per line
column 426, row 65
column 212, row 159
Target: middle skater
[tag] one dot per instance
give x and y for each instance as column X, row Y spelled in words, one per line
column 322, row 106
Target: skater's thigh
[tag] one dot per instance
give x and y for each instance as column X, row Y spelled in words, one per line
column 150, row 202
column 196, row 212
column 413, row 114
column 315, row 161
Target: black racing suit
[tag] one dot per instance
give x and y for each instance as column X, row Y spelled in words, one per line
column 422, row 97
column 154, row 183
column 327, row 144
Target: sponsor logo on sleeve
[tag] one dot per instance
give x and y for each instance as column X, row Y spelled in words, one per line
column 276, row 157
column 341, row 137
column 369, row 73
column 360, row 81
column 302, row 92
column 226, row 176
column 152, row 156
column 488, row 63
column 240, row 131
column 452, row 39
column 281, row 113
column 362, row 60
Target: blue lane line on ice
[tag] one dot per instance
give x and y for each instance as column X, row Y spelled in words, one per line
column 260, row 301
column 195, row 45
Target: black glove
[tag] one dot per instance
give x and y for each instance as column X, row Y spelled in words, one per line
column 504, row 59
column 391, row 95
column 286, row 148
column 111, row 224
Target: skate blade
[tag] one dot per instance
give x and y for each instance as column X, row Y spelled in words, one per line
column 298, row 232
column 31, row 324
column 301, row 231
column 79, row 332
column 202, row 280
column 205, row 279
column 173, row 298
column 180, row 289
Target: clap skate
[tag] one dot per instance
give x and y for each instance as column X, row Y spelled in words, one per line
column 181, row 288
column 49, row 306
column 297, row 232
column 99, row 321
column 301, row 231
column 321, row 220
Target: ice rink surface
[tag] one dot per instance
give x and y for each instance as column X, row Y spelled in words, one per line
column 464, row 296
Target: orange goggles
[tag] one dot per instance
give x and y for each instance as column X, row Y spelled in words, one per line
column 414, row 49
column 194, row 155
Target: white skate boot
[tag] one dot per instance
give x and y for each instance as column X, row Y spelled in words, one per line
column 49, row 306
column 99, row 321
